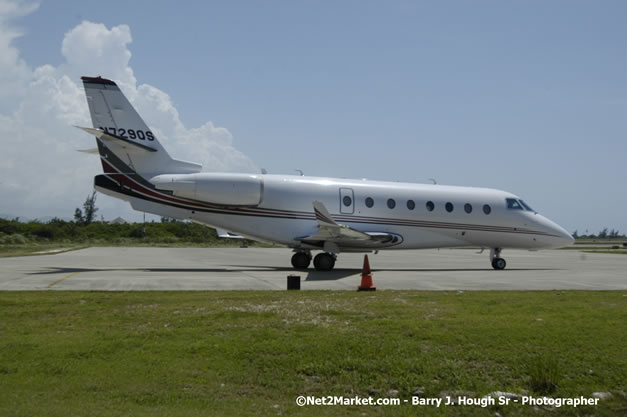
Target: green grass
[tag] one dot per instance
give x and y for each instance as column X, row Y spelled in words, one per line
column 545, row 374
column 252, row 353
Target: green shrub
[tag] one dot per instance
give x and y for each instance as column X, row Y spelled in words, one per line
column 14, row 239
column 61, row 231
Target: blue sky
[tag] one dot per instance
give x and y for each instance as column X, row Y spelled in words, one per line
column 530, row 97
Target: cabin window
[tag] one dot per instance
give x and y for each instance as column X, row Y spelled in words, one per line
column 468, row 208
column 513, row 204
column 391, row 203
column 430, row 205
column 411, row 205
column 449, row 207
column 369, row 202
column 347, row 201
column 487, row 209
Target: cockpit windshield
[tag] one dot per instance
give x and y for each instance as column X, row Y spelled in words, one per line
column 514, row 204
column 526, row 206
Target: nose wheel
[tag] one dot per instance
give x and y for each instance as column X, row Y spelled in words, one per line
column 498, row 263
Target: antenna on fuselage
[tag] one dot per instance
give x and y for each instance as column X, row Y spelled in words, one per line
column 263, row 171
column 300, row 171
column 434, row 181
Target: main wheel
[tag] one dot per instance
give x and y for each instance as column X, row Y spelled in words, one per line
column 301, row 260
column 324, row 262
column 498, row 263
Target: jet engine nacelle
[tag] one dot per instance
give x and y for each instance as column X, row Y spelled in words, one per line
column 216, row 188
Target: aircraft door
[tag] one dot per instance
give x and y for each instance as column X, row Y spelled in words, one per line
column 347, row 201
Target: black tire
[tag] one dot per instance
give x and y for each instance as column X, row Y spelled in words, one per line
column 301, row 260
column 499, row 264
column 324, row 262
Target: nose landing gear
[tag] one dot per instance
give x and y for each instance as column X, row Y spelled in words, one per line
column 498, row 263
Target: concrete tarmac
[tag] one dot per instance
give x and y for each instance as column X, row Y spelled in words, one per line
column 129, row 269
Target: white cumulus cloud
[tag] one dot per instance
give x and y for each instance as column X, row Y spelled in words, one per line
column 41, row 174
column 14, row 73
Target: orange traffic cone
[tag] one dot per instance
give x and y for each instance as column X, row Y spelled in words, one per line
column 366, row 277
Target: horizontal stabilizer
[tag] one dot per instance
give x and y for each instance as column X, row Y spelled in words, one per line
column 91, row 150
column 124, row 143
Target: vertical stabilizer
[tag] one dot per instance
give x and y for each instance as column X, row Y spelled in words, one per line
column 126, row 134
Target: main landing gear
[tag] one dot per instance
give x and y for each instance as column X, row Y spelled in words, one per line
column 301, row 260
column 498, row 263
column 322, row 262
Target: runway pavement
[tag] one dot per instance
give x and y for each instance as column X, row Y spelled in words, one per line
column 125, row 269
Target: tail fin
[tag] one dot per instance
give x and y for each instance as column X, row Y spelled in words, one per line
column 120, row 130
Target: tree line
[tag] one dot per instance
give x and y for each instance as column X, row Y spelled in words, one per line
column 77, row 231
column 85, row 228
column 603, row 234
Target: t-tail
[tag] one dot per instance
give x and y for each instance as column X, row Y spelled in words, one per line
column 122, row 135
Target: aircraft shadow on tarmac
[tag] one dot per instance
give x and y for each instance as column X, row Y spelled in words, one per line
column 63, row 270
column 312, row 274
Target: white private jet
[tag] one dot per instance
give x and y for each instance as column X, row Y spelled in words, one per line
column 307, row 214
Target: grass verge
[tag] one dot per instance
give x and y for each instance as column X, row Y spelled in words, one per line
column 253, row 353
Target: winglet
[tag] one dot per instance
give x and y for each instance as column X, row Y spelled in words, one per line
column 125, row 143
column 322, row 214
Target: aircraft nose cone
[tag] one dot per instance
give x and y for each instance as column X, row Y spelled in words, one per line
column 559, row 236
column 566, row 237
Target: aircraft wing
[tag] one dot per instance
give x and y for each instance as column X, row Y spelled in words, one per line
column 329, row 231
column 227, row 235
